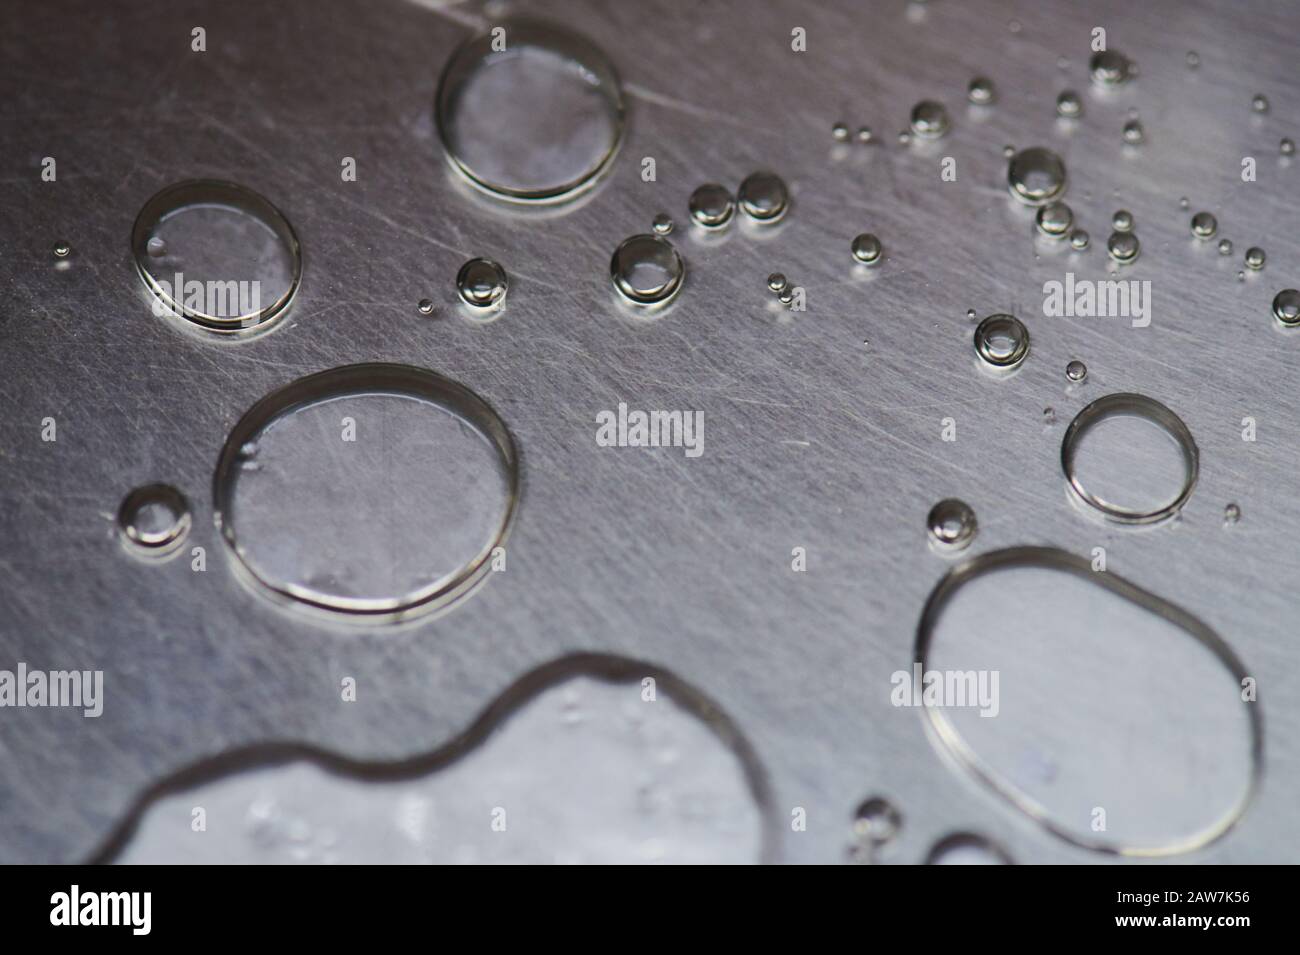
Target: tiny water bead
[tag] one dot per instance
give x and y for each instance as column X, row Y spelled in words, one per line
column 1193, row 59
column 904, row 138
column 876, row 821
column 776, row 282
column 1076, row 371
column 1286, row 307
column 1122, row 221
column 1259, row 103
column 1225, row 247
column 62, row 250
column 970, row 314
column 1054, row 219
column 647, row 270
column 1130, row 459
column 1133, row 132
column 1002, row 341
column 785, row 296
column 840, row 132
column 1286, row 147
column 864, row 134
column 1036, row 175
column 482, row 283
column 1079, row 239
column 1255, row 258
column 981, row 91
column 663, row 224
column 1123, row 247
column 930, row 119
column 425, row 306
column 952, row 525
column 1110, row 68
column 1231, row 514
column 537, row 122
column 763, row 197
column 866, row 248
column 1008, row 151
column 154, row 520
column 1204, row 225
column 711, row 206
column 1184, row 203
column 1068, row 105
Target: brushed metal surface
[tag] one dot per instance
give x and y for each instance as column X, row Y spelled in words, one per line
column 822, row 427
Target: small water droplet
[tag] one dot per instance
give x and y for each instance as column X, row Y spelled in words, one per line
column 930, row 119
column 153, row 520
column 1286, row 307
column 425, row 306
column 981, row 91
column 970, row 314
column 1122, row 221
column 482, row 283
column 763, row 197
column 1049, row 416
column 777, row 282
column 864, row 134
column 1225, row 247
column 876, row 822
column 1184, row 203
column 1068, row 104
column 62, row 250
column 1133, row 132
column 840, row 132
column 1286, row 147
column 1123, row 247
column 1080, row 240
column 156, row 246
column 1259, row 103
column 1110, row 68
column 952, row 525
column 1002, row 341
column 663, row 224
column 866, row 248
column 1076, row 371
column 1255, row 258
column 1204, row 225
column 1193, row 59
column 1008, row 151
column 1231, row 514
column 647, row 270
column 1054, row 219
column 711, row 206
column 1036, row 175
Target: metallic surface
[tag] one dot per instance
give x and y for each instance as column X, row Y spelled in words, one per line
column 823, row 427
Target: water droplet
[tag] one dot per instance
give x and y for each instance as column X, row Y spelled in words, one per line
column 1068, row 104
column 904, row 138
column 1133, row 132
column 711, row 206
column 1110, row 68
column 1204, row 225
column 952, row 525
column 1036, row 175
column 1122, row 221
column 1231, row 514
column 381, row 491
column 1255, row 258
column 966, row 848
column 864, row 134
column 1184, row 203
column 1008, row 151
column 1286, row 307
column 777, row 282
column 153, row 520
column 1225, row 247
column 1076, row 371
column 970, row 314
column 1054, row 219
column 1123, row 247
column 785, row 296
column 538, row 122
column 62, row 250
column 425, row 306
column 482, row 283
column 840, row 132
column 663, row 224
column 930, row 119
column 1180, row 788
column 981, row 91
column 763, row 197
column 1049, row 416
column 1130, row 459
column 876, row 822
column 1002, row 341
column 647, row 270
column 1193, row 59
column 1259, row 103
column 866, row 248
column 1079, row 239
column 236, row 255
column 1286, row 147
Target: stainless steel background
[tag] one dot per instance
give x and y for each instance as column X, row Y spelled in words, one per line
column 813, row 438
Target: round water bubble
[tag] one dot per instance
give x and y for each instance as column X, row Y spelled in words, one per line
column 1255, row 258
column 1079, row 239
column 1110, row 68
column 1286, row 307
column 1036, row 175
column 368, row 492
column 866, row 248
column 538, row 121
column 1123, row 247
column 1204, row 225
column 952, row 525
column 930, row 119
column 711, row 206
column 981, row 91
column 1002, row 341
column 482, row 283
column 1076, row 371
column 647, row 270
column 1130, row 459
column 154, row 520
column 1054, row 219
column 763, row 197
column 1122, row 221
column 217, row 255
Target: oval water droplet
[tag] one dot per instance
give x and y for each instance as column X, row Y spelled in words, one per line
column 482, row 284
column 647, row 270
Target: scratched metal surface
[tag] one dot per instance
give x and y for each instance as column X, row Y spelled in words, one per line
column 813, row 438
